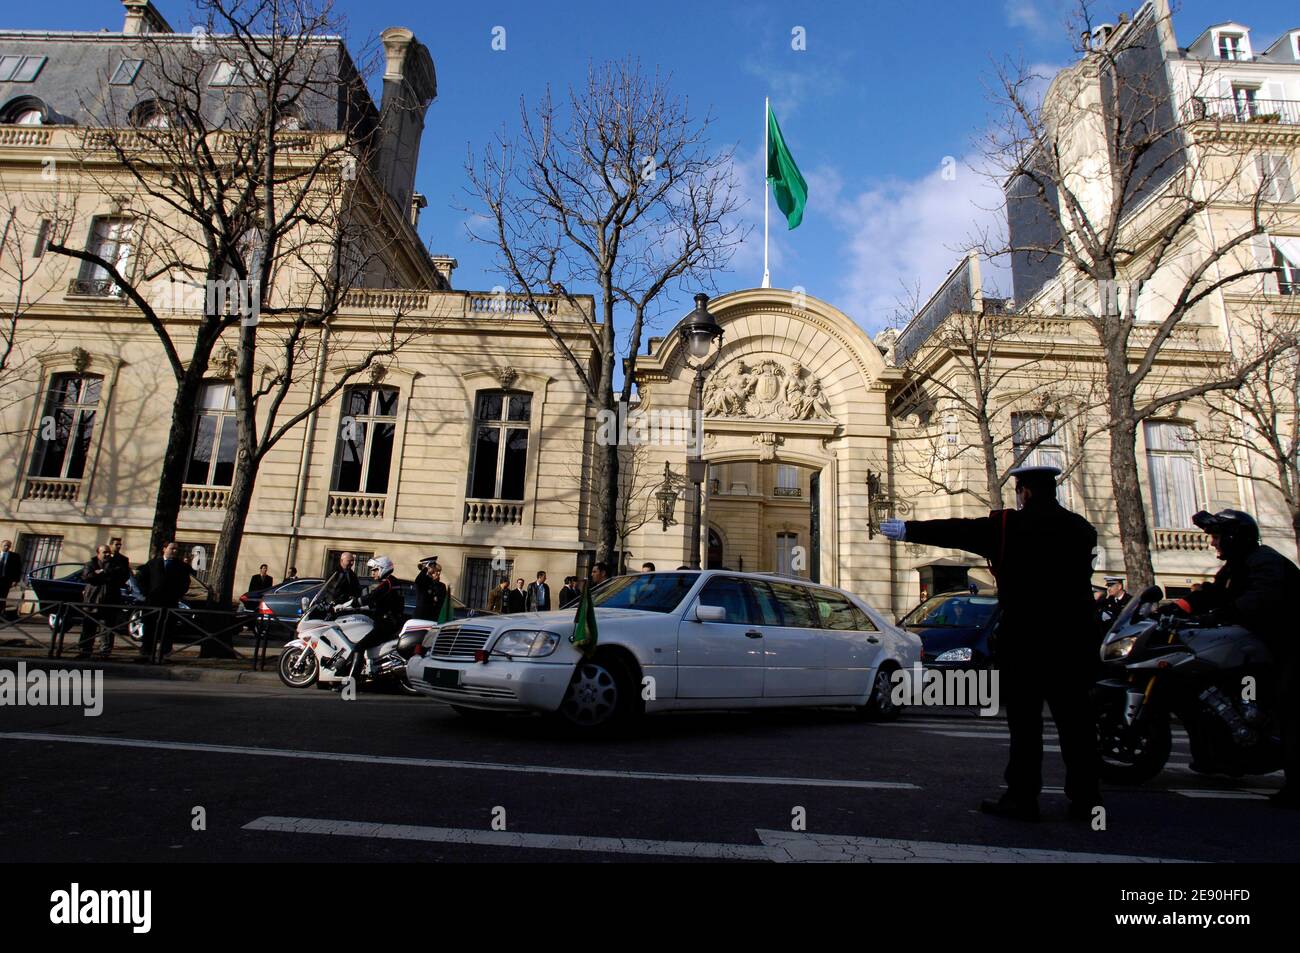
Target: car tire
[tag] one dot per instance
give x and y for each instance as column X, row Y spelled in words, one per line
column 601, row 699
column 881, row 706
column 288, row 659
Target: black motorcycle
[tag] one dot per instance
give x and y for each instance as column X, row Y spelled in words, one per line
column 1216, row 683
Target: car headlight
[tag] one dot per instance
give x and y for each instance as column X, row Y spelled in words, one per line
column 955, row 655
column 1120, row 648
column 526, row 643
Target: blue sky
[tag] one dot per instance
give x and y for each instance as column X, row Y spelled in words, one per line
column 883, row 93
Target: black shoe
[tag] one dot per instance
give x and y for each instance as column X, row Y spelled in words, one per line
column 1287, row 797
column 1011, row 809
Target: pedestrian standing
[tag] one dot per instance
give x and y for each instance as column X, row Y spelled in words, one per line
column 11, row 572
column 95, row 576
column 539, row 595
column 517, row 598
column 1041, row 554
column 568, row 593
column 164, row 581
column 343, row 585
column 497, row 597
column 1113, row 602
column 261, row 582
column 430, row 591
column 119, row 575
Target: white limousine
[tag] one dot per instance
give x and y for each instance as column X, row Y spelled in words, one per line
column 672, row 640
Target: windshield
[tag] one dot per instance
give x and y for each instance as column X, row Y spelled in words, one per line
column 650, row 592
column 951, row 610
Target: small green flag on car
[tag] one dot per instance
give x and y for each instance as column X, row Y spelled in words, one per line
column 448, row 612
column 788, row 186
column 584, row 624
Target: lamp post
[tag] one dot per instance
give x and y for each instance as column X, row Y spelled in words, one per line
column 699, row 331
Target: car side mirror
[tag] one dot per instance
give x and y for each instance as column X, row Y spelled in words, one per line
column 705, row 613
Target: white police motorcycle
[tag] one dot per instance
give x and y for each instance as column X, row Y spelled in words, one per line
column 323, row 647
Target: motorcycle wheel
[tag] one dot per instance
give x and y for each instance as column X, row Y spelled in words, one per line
column 288, row 668
column 1132, row 754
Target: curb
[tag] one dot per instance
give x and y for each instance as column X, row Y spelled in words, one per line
column 177, row 673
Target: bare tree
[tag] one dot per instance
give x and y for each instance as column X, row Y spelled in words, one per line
column 616, row 189
column 1104, row 165
column 1254, row 431
column 252, row 225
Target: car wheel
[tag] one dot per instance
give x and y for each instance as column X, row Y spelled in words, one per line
column 135, row 627
column 298, row 667
column 54, row 621
column 881, row 706
column 601, row 697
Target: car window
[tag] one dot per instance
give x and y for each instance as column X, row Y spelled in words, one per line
column 862, row 622
column 958, row 609
column 796, row 606
column 836, row 612
column 648, row 591
column 732, row 595
column 767, row 609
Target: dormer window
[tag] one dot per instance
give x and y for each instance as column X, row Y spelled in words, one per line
column 1232, row 46
column 234, row 74
column 25, row 111
column 20, row 69
column 125, row 73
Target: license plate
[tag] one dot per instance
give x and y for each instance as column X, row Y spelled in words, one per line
column 442, row 677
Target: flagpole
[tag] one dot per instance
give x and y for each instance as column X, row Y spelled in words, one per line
column 767, row 106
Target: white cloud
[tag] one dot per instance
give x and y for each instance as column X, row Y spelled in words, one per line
column 1042, row 18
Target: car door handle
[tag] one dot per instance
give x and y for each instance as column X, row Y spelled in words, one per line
column 873, row 638
column 753, row 634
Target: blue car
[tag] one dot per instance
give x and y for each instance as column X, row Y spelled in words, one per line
column 957, row 629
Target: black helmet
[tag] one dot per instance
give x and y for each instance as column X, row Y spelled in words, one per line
column 1237, row 529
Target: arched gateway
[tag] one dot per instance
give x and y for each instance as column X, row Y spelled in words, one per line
column 795, row 420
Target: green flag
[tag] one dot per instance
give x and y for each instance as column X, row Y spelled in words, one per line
column 788, row 186
column 448, row 612
column 584, row 624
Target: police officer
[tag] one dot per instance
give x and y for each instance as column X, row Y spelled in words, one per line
column 430, row 590
column 1041, row 555
column 1113, row 603
column 1255, row 589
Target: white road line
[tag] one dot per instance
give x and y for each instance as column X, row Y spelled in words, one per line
column 779, row 846
column 461, row 765
column 1210, row 793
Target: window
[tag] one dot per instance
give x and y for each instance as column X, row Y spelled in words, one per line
column 481, row 578
column 234, row 74
column 1286, row 258
column 1050, row 449
column 150, row 115
column 358, row 567
column 40, row 552
column 364, row 456
column 500, row 460
column 125, row 73
column 1231, row 46
column 787, row 480
column 797, row 609
column 1245, row 102
column 28, row 117
column 64, row 430
column 733, row 596
column 1175, row 473
column 838, row 613
column 212, row 460
column 1275, row 178
column 20, row 69
column 785, row 547
column 42, row 237
column 110, row 239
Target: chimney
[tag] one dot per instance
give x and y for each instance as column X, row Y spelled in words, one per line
column 143, row 17
column 444, row 265
column 410, row 85
column 418, row 204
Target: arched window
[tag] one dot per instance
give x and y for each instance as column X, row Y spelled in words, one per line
column 150, row 115
column 499, row 462
column 63, row 433
column 26, row 111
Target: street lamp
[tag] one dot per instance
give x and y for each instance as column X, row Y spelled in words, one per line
column 699, row 332
column 666, row 496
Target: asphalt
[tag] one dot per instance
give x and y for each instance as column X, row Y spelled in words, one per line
column 279, row 775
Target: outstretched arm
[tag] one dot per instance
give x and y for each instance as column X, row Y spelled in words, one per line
column 978, row 535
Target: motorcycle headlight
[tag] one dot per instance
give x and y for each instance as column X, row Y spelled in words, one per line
column 955, row 655
column 1120, row 648
column 526, row 643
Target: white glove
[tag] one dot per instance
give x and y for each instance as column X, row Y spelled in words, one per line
column 894, row 529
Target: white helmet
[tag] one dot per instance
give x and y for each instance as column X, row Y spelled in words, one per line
column 382, row 563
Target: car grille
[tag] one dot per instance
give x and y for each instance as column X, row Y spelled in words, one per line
column 455, row 641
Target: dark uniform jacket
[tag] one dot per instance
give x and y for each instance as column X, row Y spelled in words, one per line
column 385, row 599
column 98, row 578
column 260, row 583
column 341, row 587
column 163, row 584
column 516, row 600
column 119, row 571
column 429, row 596
column 1041, row 557
column 539, row 597
column 1256, row 591
column 1110, row 609
column 13, row 567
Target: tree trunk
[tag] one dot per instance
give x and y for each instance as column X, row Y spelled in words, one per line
column 1130, row 511
column 180, row 438
column 232, row 529
column 992, row 480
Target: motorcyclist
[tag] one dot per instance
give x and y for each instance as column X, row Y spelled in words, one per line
column 1254, row 590
column 387, row 607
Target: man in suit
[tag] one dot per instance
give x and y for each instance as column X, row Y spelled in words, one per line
column 569, row 593
column 261, row 582
column 343, row 585
column 497, row 597
column 97, row 576
column 11, row 572
column 119, row 573
column 539, row 595
column 517, row 598
column 1041, row 554
column 430, row 591
column 164, row 581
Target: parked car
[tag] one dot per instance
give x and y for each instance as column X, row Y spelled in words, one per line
column 673, row 640
column 280, row 607
column 60, row 583
column 957, row 629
